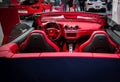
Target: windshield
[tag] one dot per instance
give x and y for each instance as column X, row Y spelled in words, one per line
column 66, row 17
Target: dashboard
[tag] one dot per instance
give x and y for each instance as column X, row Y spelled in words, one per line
column 70, row 30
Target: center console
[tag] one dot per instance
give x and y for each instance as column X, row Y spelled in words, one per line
column 71, row 32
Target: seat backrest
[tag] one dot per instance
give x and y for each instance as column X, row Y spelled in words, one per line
column 99, row 42
column 37, row 41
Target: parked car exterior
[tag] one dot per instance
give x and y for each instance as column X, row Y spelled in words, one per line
column 95, row 5
column 28, row 8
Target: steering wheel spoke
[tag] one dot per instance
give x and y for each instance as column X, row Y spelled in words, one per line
column 57, row 30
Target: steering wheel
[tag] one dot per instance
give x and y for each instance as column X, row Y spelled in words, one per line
column 53, row 31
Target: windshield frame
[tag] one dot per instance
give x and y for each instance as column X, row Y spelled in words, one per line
column 71, row 16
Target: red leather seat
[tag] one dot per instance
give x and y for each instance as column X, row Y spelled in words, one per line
column 37, row 41
column 99, row 42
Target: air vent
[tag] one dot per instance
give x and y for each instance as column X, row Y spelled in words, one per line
column 66, row 27
column 76, row 27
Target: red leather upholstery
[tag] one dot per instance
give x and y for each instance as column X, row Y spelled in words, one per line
column 90, row 45
column 43, row 43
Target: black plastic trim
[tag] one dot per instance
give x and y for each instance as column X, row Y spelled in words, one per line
column 113, row 36
column 111, row 24
column 21, row 38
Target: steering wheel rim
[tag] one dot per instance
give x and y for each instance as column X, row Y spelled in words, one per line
column 54, row 31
